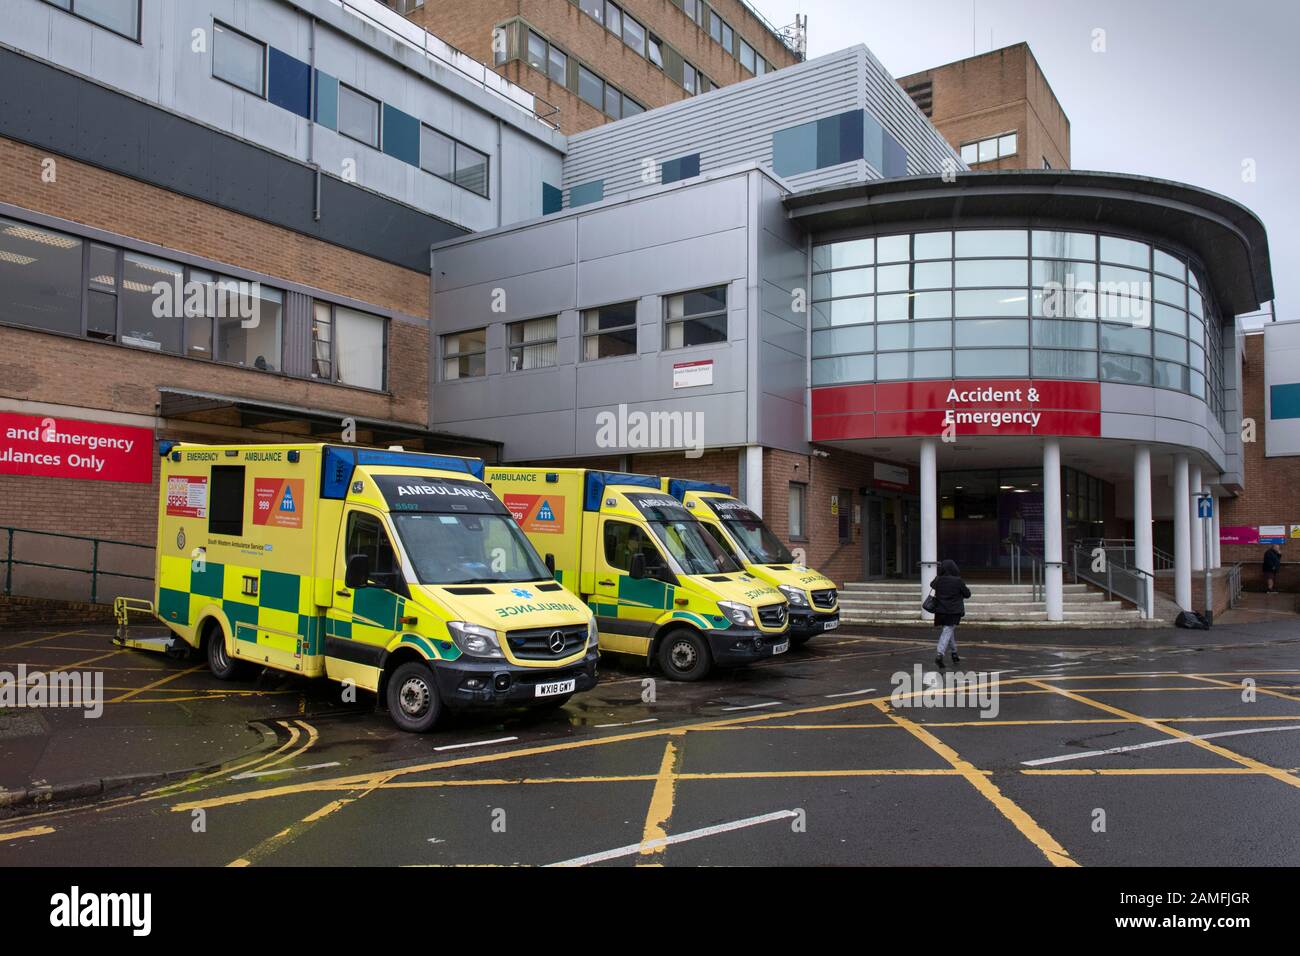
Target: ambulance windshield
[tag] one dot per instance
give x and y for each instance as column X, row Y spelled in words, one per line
column 685, row 539
column 468, row 549
column 758, row 542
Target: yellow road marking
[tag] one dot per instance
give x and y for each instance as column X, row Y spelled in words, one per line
column 1147, row 772
column 24, row 834
column 253, row 763
column 1274, row 772
column 661, row 803
column 47, row 637
column 1225, row 685
column 158, row 683
column 1022, row 821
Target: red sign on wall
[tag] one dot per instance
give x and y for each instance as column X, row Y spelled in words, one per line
column 69, row 448
column 957, row 407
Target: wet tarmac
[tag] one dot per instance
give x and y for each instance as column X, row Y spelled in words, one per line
column 1152, row 747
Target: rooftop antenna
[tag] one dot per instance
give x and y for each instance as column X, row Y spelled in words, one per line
column 796, row 35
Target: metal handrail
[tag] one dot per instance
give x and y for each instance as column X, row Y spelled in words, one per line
column 1162, row 560
column 1234, row 585
column 1037, row 570
column 1137, row 595
column 94, row 570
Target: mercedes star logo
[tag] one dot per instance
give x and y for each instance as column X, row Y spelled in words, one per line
column 556, row 642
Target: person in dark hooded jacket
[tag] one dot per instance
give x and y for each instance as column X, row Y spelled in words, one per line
column 950, row 592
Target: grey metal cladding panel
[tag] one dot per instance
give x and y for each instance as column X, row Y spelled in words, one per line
column 696, row 210
column 522, row 252
column 782, row 333
column 689, row 264
column 722, row 418
column 781, row 423
column 526, row 296
column 1131, row 399
column 649, row 378
column 728, row 126
column 524, row 436
column 144, row 142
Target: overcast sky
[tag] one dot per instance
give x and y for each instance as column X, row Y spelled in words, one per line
column 1186, row 89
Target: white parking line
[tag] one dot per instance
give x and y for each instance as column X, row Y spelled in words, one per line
column 476, row 743
column 266, row 773
column 677, row 838
column 770, row 703
column 1163, row 742
column 852, row 693
column 629, row 723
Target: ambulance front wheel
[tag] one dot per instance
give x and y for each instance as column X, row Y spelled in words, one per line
column 684, row 655
column 413, row 700
column 222, row 665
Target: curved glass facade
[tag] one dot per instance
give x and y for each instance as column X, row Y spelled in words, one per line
column 1013, row 303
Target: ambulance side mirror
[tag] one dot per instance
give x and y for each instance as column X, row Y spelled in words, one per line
column 637, row 569
column 357, row 574
column 550, row 564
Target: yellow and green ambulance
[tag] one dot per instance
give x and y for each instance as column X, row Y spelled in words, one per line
column 661, row 587
column 814, row 602
column 400, row 572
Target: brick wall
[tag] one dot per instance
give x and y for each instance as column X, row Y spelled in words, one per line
column 1272, row 486
column 91, row 379
column 468, row 27
column 992, row 94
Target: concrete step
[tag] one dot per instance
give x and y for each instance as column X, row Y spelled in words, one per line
column 986, row 607
column 913, row 597
column 980, row 587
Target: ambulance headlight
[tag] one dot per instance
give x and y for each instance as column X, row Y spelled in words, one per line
column 737, row 613
column 475, row 640
column 593, row 635
column 792, row 594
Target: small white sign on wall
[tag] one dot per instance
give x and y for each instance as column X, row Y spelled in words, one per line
column 691, row 374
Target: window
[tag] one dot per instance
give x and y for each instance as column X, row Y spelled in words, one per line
column 609, row 331
column 747, row 57
column 655, row 50
column 634, row 34
column 238, row 59
column 591, row 88
column 226, row 501
column 464, row 355
column 689, row 80
column 558, row 69
column 536, row 52
column 248, row 319
column 366, row 535
column 358, row 116
column 832, row 140
column 139, row 325
column 453, row 161
column 613, row 102
column 348, row 346
column 684, row 167
column 594, row 9
column 437, row 153
column 471, row 169
column 120, row 16
column 696, row 318
column 623, row 540
column 987, row 150
column 40, row 278
column 715, row 26
column 101, row 292
column 798, row 510
column 728, row 37
column 631, row 107
column 532, row 344
column 613, row 19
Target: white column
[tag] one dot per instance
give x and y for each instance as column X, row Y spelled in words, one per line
column 1198, row 525
column 1143, row 546
column 1055, row 592
column 929, row 516
column 752, row 493
column 1216, row 560
column 1182, row 535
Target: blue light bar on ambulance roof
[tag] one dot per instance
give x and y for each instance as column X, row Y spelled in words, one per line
column 677, row 487
column 597, row 481
column 338, row 463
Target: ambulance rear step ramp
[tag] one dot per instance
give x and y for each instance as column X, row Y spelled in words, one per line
column 123, row 608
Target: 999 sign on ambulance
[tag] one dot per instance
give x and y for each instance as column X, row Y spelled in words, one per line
column 399, row 571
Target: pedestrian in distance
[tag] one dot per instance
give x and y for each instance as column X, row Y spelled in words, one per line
column 1272, row 565
column 950, row 593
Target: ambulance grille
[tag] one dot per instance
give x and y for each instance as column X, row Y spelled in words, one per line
column 773, row 615
column 824, row 599
column 534, row 644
